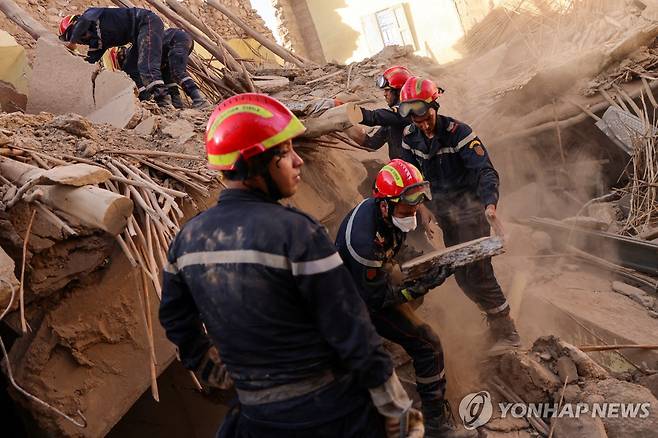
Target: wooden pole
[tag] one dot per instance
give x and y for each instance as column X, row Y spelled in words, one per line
column 617, row 347
column 275, row 48
column 24, row 20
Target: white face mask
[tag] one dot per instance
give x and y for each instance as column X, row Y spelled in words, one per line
column 405, row 224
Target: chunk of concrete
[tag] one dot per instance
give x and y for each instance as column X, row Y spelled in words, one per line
column 61, row 82
column 74, row 124
column 533, row 382
column 78, row 175
column 11, row 100
column 147, row 126
column 116, row 102
column 567, row 370
column 180, row 129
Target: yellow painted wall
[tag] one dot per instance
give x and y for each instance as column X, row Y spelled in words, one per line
column 339, row 25
column 13, row 63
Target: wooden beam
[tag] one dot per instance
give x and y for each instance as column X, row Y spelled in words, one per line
column 24, row 20
column 335, row 119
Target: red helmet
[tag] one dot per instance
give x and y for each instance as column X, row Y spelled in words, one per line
column 247, row 125
column 394, row 77
column 400, row 181
column 66, row 24
column 417, row 96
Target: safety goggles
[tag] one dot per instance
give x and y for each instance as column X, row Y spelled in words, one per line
column 415, row 107
column 415, row 194
column 382, row 82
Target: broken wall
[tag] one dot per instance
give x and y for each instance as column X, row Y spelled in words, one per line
column 298, row 30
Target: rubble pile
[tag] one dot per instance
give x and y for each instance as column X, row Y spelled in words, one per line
column 558, row 379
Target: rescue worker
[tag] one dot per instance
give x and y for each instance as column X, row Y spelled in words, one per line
column 273, row 294
column 389, row 120
column 176, row 48
column 103, row 28
column 368, row 241
column 464, row 188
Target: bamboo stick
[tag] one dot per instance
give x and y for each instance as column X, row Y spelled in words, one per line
column 618, row 347
column 155, row 154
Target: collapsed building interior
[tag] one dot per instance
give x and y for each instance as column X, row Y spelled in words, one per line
column 562, row 93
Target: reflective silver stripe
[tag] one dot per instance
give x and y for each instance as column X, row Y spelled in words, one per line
column 172, row 85
column 497, row 310
column 316, row 266
column 406, row 146
column 154, row 83
column 186, row 78
column 170, row 268
column 466, row 140
column 238, row 256
column 348, row 240
column 285, row 391
column 431, row 379
column 446, row 151
column 255, row 257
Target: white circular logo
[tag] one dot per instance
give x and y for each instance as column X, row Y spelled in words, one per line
column 476, row 409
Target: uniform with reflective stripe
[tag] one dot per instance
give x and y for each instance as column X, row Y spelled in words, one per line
column 454, row 161
column 276, row 300
column 366, row 243
column 391, row 125
column 463, row 181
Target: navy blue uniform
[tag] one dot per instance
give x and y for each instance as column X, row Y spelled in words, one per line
column 366, row 244
column 176, row 48
column 281, row 307
column 103, row 28
column 392, row 126
column 463, row 182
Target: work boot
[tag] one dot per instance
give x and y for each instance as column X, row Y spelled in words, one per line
column 162, row 97
column 503, row 333
column 443, row 426
column 176, row 99
column 191, row 89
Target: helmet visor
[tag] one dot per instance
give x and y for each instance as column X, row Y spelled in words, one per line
column 415, row 107
column 382, row 82
column 416, row 193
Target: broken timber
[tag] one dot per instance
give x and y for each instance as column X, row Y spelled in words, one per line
column 334, row 119
column 453, row 257
column 626, row 251
column 92, row 205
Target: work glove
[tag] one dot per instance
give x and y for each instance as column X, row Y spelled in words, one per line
column 436, row 276
column 413, row 292
column 212, row 372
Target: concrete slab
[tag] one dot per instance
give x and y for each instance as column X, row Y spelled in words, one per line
column 116, row 102
column 61, row 82
column 11, row 100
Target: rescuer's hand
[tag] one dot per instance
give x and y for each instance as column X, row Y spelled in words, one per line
column 494, row 221
column 212, row 372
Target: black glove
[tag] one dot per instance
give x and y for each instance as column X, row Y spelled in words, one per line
column 95, row 55
column 436, row 276
column 212, row 372
column 410, row 293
